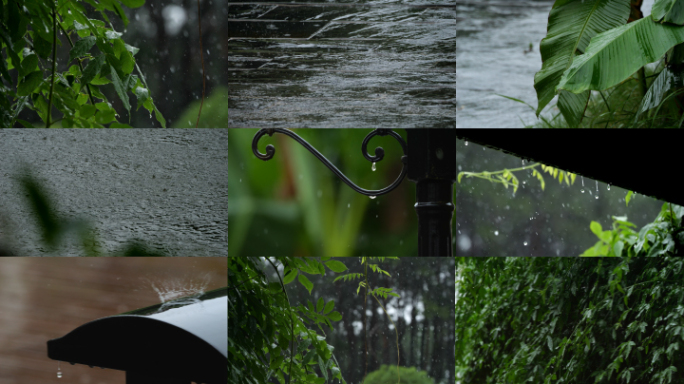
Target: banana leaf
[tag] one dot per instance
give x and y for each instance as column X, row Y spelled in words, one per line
column 670, row 11
column 656, row 93
column 571, row 26
column 615, row 55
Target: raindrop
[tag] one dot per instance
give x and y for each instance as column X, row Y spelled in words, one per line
column 372, row 197
column 241, row 180
column 59, row 371
column 319, row 193
column 496, row 233
column 525, row 243
column 582, row 180
column 466, row 143
column 609, row 187
column 523, row 162
column 348, row 205
column 150, row 115
column 596, row 197
column 373, row 167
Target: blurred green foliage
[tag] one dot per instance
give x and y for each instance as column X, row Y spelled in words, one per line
column 388, row 375
column 294, row 205
column 214, row 112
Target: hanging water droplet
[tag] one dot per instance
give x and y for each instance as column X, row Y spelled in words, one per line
column 373, row 167
column 150, row 115
column 372, row 197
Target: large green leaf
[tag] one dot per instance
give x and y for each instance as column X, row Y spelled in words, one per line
column 656, row 93
column 613, row 56
column 572, row 106
column 671, row 11
column 571, row 26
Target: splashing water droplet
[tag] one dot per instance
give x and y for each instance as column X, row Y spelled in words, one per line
column 59, row 371
column 373, row 167
column 372, row 197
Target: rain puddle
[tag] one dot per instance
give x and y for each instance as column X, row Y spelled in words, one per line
column 372, row 64
column 166, row 189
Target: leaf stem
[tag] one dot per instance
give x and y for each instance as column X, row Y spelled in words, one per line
column 54, row 66
column 291, row 320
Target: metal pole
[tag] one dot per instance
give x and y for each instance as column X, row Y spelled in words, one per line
column 432, row 166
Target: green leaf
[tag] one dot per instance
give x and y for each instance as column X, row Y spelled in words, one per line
column 120, row 89
column 596, row 228
column 290, row 276
column 671, row 11
column 628, row 197
column 158, row 116
column 309, row 355
column 572, row 106
column 92, row 69
column 133, row 3
column 335, row 316
column 87, row 110
column 28, row 65
column 320, row 304
column 571, row 26
column 142, row 94
column 29, row 83
column 305, row 282
column 549, row 343
column 613, row 56
column 81, row 47
column 329, row 307
column 336, row 266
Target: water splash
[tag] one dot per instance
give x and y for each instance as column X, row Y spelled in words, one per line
column 171, row 289
column 59, row 371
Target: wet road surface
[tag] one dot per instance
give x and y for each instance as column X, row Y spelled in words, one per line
column 167, row 188
column 371, row 64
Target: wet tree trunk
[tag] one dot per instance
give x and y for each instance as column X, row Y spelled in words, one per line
column 410, row 361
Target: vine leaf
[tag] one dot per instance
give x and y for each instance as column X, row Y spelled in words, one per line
column 29, row 83
column 120, row 89
column 290, row 276
column 81, row 47
column 305, row 282
column 336, row 266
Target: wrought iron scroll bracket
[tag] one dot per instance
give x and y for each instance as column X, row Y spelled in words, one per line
column 379, row 154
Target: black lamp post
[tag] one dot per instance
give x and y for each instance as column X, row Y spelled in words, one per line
column 179, row 342
column 429, row 160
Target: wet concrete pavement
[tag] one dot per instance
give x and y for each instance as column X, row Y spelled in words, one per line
column 370, row 64
column 167, row 188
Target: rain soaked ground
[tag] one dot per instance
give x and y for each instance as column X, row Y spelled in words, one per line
column 371, row 64
column 166, row 188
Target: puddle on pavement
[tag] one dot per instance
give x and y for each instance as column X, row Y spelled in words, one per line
column 372, row 64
